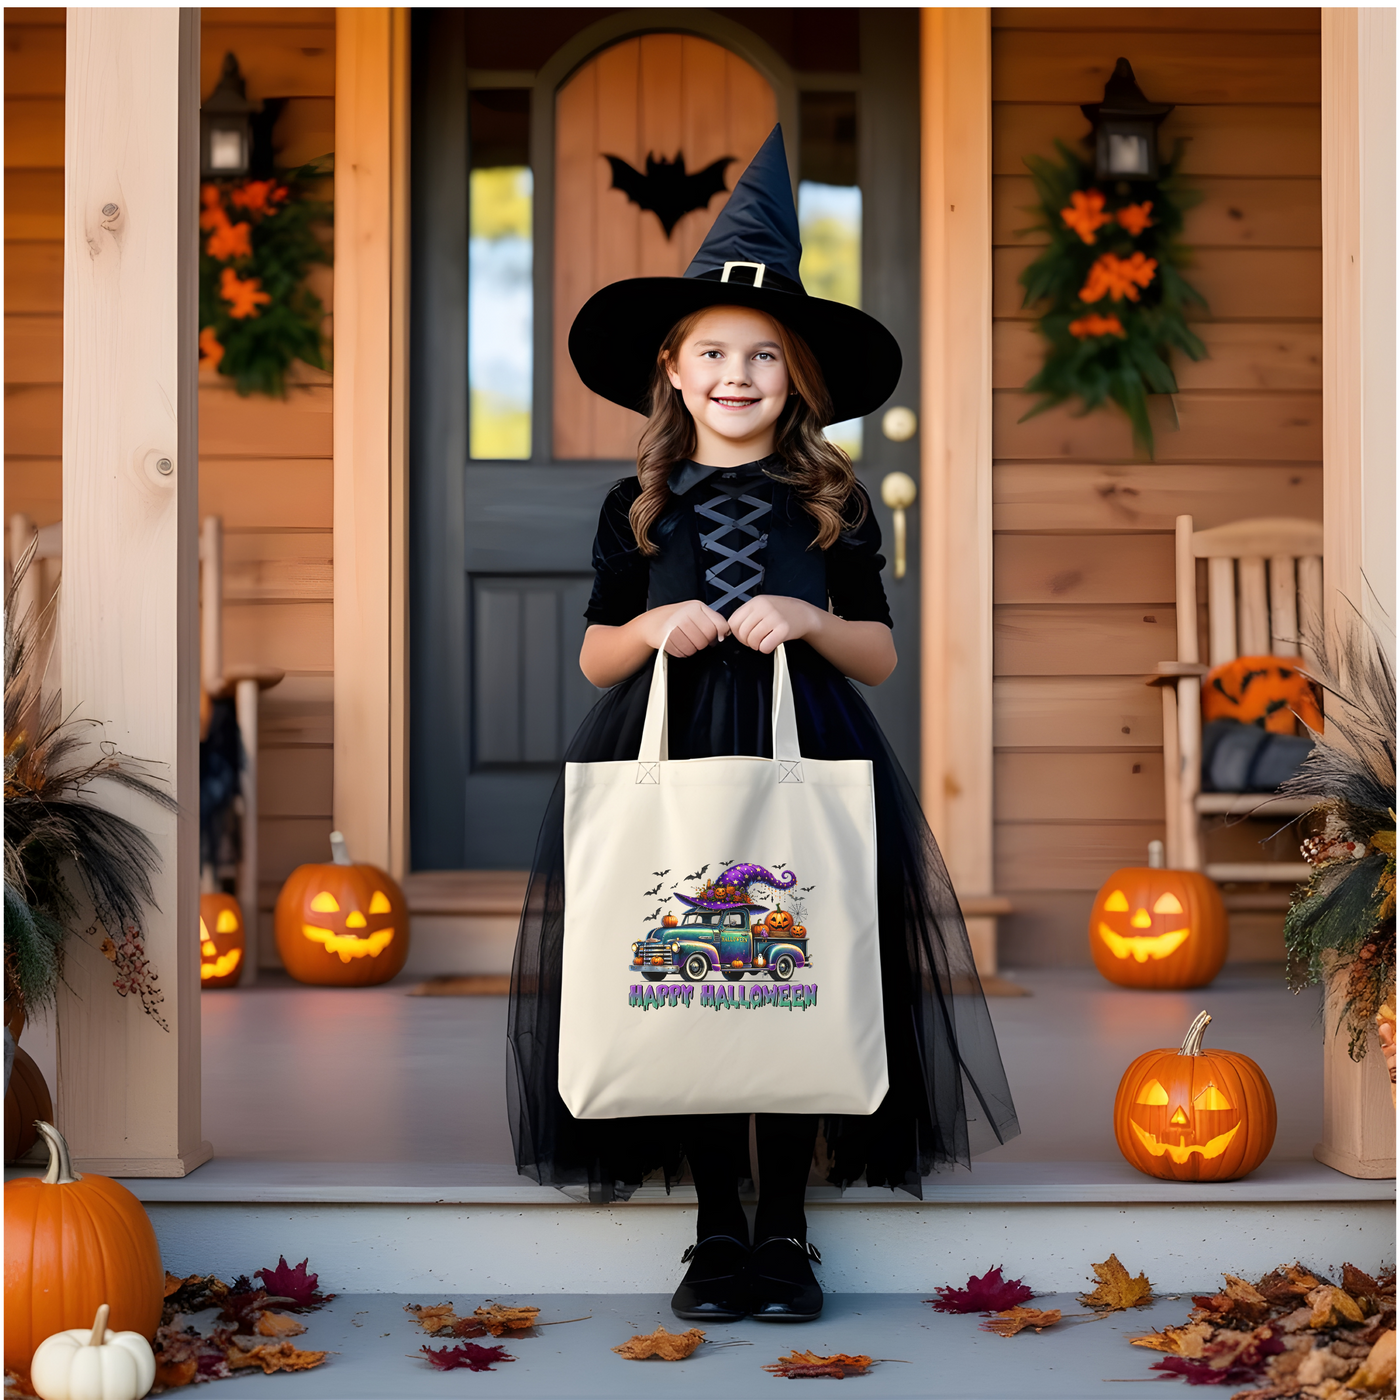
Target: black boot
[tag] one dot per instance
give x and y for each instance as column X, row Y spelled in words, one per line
column 713, row 1287
column 781, row 1284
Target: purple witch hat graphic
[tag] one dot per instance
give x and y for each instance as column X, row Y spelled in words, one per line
column 730, row 890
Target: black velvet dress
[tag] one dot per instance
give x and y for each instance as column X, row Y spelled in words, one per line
column 724, row 537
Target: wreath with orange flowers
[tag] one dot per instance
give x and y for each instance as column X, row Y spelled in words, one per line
column 258, row 240
column 1110, row 285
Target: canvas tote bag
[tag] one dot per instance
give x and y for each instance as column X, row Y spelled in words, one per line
column 721, row 949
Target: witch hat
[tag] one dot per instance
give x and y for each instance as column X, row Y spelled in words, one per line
column 750, row 257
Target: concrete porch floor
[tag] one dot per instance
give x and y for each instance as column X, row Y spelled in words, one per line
column 372, row 1075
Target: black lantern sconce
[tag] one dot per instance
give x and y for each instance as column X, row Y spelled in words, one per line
column 225, row 126
column 1125, row 128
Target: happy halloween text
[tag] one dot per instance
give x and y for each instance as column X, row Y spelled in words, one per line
column 795, row 996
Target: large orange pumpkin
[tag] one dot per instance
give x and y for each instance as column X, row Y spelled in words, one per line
column 221, row 941
column 1158, row 928
column 1194, row 1114
column 341, row 925
column 26, row 1099
column 73, row 1243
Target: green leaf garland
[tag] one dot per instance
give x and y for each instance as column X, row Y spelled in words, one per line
column 258, row 240
column 1111, row 279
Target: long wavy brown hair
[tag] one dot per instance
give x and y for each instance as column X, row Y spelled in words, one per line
column 818, row 471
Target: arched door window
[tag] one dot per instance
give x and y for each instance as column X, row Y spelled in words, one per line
column 670, row 97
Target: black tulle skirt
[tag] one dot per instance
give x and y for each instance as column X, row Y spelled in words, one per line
column 948, row 1095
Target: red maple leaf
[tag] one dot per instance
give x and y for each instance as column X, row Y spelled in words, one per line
column 466, row 1355
column 1203, row 1373
column 990, row 1293
column 295, row 1286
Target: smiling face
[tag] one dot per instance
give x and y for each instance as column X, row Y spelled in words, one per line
column 779, row 921
column 342, row 925
column 221, row 941
column 733, row 377
column 1158, row 928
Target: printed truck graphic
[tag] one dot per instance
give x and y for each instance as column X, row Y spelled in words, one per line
column 725, row 931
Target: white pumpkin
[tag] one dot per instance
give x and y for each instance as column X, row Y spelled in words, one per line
column 93, row 1365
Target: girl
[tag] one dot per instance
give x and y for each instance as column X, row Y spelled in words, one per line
column 746, row 528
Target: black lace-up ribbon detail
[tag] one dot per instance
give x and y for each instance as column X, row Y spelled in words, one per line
column 738, row 540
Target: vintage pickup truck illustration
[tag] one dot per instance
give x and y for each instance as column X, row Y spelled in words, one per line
column 725, row 931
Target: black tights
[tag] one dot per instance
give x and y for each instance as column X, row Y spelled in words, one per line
column 717, row 1147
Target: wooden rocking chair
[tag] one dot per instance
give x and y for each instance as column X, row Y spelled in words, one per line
column 1264, row 598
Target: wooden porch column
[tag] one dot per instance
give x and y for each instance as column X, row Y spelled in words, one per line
column 956, row 501
column 1358, row 317
column 128, row 1091
column 371, row 259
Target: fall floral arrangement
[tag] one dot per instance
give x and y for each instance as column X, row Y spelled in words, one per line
column 258, row 240
column 53, row 832
column 1114, row 297
column 1342, row 921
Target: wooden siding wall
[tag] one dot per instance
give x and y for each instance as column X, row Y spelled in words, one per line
column 265, row 465
column 1083, row 547
column 651, row 94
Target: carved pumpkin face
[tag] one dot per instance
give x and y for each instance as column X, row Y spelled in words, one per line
column 1193, row 1114
column 342, row 925
column 1158, row 928
column 221, row 940
column 779, row 922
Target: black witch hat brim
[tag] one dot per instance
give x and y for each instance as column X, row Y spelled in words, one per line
column 616, row 336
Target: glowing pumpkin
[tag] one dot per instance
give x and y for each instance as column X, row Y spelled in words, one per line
column 779, row 923
column 1158, row 928
column 221, row 941
column 342, row 924
column 1194, row 1114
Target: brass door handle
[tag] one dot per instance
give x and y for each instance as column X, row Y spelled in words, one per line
column 899, row 491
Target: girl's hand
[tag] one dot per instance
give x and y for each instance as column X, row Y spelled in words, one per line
column 692, row 627
column 764, row 622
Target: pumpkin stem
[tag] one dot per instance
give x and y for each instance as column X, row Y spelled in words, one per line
column 1192, row 1044
column 340, row 851
column 60, row 1172
column 99, row 1327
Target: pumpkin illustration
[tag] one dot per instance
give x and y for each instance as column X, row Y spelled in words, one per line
column 221, row 941
column 342, row 924
column 669, row 921
column 779, row 923
column 1194, row 1114
column 799, row 931
column 26, row 1100
column 1158, row 928
column 73, row 1243
column 1263, row 690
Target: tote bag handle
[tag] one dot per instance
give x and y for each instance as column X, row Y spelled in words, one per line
column 785, row 747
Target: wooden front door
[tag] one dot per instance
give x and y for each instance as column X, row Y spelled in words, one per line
column 501, row 543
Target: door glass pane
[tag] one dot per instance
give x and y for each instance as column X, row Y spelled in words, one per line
column 829, row 218
column 501, row 308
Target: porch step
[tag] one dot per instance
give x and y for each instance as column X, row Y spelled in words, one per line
column 402, row 1227
column 375, row 1353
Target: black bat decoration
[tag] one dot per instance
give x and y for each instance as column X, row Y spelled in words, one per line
column 653, row 916
column 779, row 865
column 667, row 871
column 673, row 886
column 651, row 892
column 807, row 889
column 666, row 189
column 698, row 873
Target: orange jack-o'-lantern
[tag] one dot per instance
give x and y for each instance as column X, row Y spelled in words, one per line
column 1158, row 928
column 341, row 925
column 222, row 943
column 1194, row 1115
column 799, row 931
column 779, row 923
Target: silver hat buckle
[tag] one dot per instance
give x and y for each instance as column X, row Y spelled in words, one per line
column 758, row 270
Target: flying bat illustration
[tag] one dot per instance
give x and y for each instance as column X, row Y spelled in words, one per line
column 779, row 865
column 698, row 873
column 666, row 189
column 653, row 916
column 807, row 889
column 652, row 891
column 667, row 871
column 673, row 886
